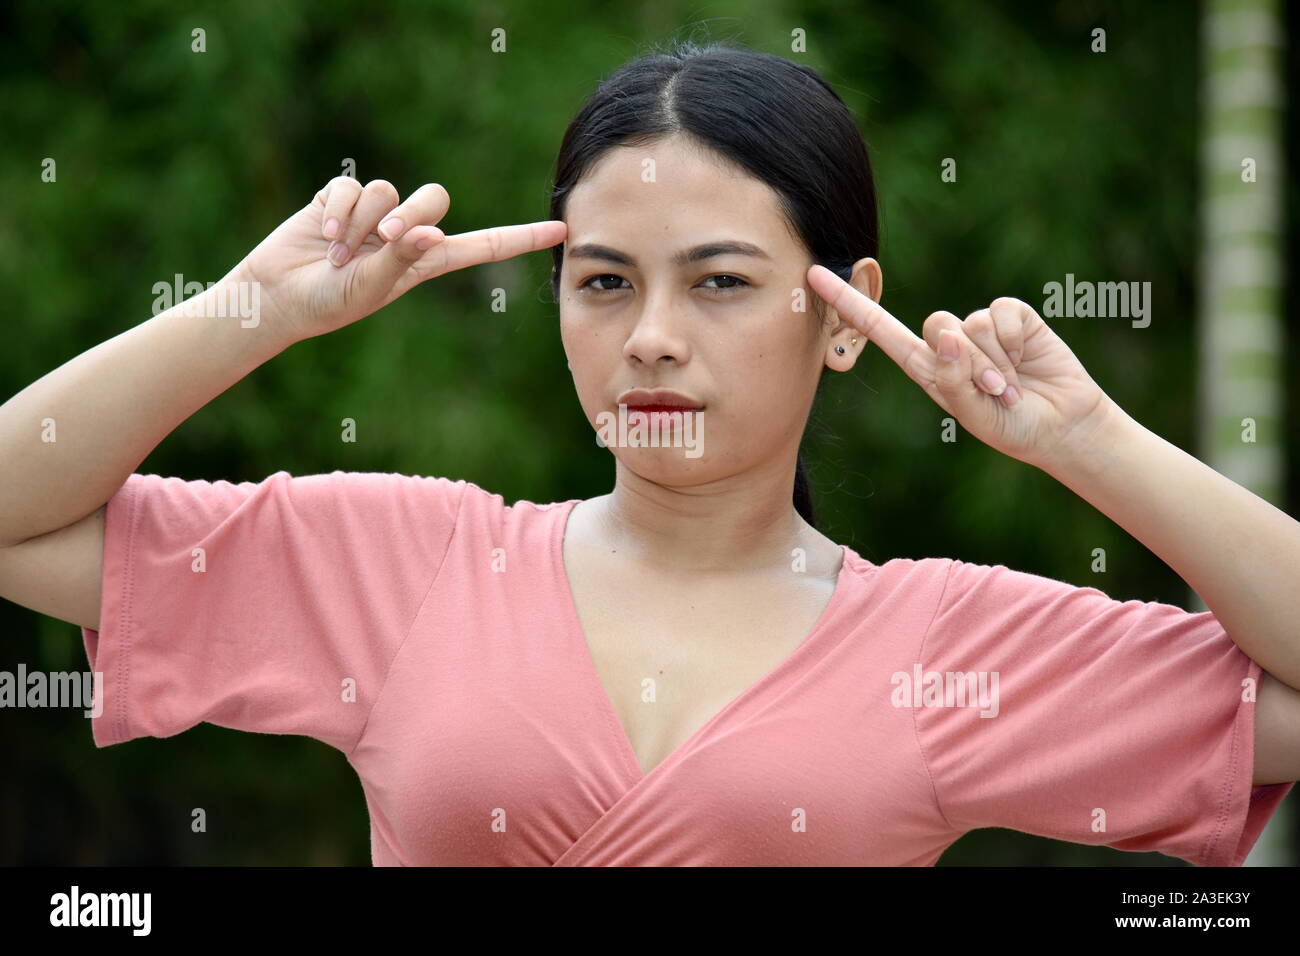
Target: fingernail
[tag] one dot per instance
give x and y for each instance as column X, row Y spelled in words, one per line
column 994, row 383
column 331, row 228
column 948, row 347
column 339, row 253
column 391, row 228
column 1014, row 356
column 437, row 236
column 1011, row 396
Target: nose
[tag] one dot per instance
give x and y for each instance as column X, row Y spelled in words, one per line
column 658, row 334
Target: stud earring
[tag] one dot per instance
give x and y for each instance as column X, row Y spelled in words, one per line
column 839, row 350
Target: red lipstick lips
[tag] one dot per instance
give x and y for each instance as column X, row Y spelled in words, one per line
column 658, row 400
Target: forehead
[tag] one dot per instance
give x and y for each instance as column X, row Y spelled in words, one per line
column 672, row 190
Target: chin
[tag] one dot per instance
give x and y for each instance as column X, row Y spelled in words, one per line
column 665, row 466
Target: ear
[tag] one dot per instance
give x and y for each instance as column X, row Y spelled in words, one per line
column 867, row 279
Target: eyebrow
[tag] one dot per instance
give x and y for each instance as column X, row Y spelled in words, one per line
column 728, row 247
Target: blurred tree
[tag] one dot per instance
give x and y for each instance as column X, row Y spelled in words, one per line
column 1240, row 322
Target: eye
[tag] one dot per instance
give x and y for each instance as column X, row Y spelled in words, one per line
column 740, row 283
column 586, row 284
column 736, row 283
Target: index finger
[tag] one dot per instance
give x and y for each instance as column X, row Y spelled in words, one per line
column 908, row 350
column 496, row 243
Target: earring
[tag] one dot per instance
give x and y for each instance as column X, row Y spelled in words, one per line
column 839, row 350
column 853, row 342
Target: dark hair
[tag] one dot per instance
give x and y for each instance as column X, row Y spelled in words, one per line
column 777, row 119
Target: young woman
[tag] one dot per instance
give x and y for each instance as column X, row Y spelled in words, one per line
column 684, row 670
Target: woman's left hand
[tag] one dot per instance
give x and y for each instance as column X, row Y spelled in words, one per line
column 1055, row 406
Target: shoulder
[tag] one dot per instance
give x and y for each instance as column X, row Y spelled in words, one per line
column 904, row 591
column 912, row 574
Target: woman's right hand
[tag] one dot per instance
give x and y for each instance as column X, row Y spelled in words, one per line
column 328, row 265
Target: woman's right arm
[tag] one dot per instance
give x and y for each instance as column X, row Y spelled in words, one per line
column 105, row 410
column 71, row 439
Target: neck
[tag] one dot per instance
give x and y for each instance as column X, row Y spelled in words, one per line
column 741, row 523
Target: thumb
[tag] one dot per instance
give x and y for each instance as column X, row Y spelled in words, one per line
column 385, row 274
column 952, row 372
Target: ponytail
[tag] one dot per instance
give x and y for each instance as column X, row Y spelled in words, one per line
column 803, row 492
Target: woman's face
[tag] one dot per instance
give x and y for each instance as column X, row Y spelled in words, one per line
column 734, row 330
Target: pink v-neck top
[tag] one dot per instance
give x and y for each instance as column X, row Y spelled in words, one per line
column 426, row 630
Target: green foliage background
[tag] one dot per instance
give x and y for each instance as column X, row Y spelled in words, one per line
column 172, row 162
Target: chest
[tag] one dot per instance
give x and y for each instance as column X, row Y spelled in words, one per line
column 508, row 737
column 671, row 652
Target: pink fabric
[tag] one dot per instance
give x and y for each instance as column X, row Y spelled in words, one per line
column 482, row 735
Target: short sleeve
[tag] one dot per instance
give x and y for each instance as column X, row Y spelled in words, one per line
column 1127, row 724
column 272, row 607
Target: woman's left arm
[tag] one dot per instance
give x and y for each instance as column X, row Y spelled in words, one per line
column 1039, row 405
column 1233, row 548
